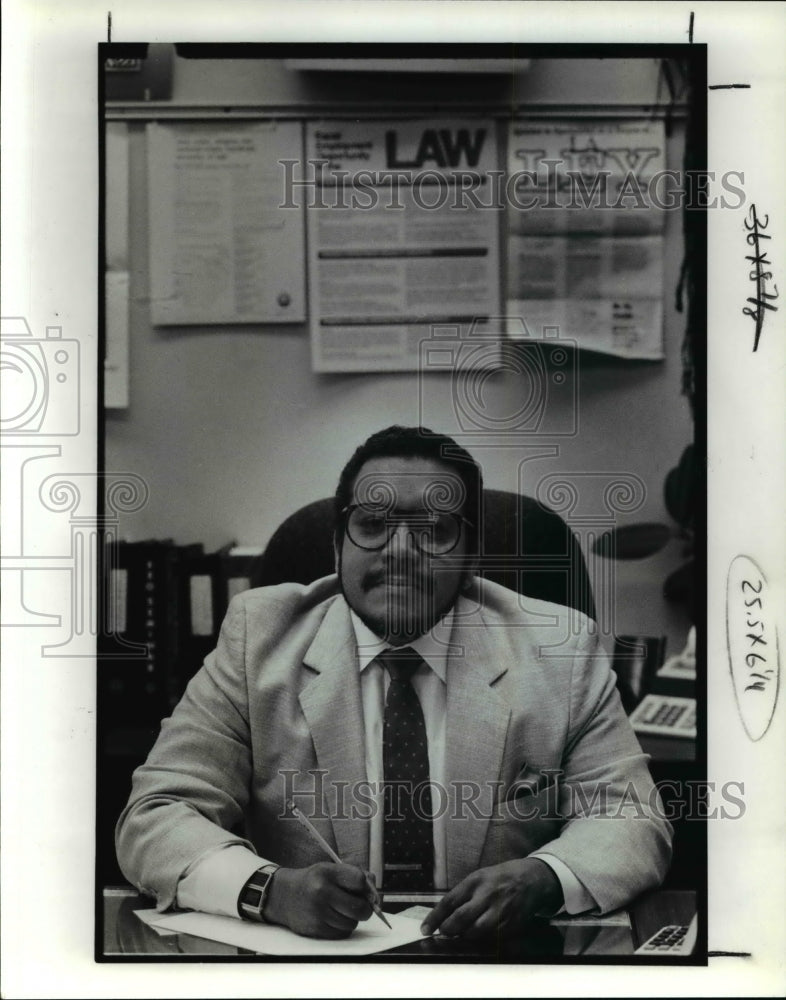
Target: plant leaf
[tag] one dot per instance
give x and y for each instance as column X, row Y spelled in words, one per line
column 679, row 583
column 679, row 490
column 633, row 541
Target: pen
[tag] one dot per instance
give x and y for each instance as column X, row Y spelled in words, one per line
column 334, row 857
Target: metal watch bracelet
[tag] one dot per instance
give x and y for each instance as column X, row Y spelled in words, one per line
column 251, row 901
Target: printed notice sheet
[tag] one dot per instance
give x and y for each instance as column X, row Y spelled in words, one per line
column 224, row 246
column 586, row 211
column 400, row 240
column 589, row 175
column 602, row 291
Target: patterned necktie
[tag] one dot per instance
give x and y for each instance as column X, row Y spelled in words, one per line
column 408, row 837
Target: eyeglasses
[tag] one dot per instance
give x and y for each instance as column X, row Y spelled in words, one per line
column 435, row 533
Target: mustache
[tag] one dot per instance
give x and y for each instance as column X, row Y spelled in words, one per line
column 379, row 575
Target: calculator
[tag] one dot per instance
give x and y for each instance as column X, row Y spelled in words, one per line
column 673, row 939
column 665, row 715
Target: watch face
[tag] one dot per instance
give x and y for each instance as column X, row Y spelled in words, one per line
column 253, row 895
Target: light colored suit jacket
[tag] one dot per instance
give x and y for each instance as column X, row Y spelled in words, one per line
column 539, row 751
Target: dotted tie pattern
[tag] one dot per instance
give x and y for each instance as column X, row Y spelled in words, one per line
column 408, row 837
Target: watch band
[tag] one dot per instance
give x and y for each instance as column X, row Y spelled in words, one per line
column 251, row 901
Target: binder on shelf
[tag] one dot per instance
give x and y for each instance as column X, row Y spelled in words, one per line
column 138, row 639
column 136, row 646
column 164, row 607
column 200, row 611
column 237, row 569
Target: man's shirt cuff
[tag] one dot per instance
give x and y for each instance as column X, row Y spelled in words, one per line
column 213, row 884
column 577, row 899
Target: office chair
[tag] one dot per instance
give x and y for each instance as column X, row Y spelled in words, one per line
column 525, row 546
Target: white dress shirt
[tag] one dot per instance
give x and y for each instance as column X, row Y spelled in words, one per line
column 213, row 884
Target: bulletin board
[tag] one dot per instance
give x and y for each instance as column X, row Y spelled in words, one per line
column 278, row 216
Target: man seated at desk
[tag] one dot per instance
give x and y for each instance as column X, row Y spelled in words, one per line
column 439, row 731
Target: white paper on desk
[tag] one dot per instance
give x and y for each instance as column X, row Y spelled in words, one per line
column 150, row 917
column 367, row 939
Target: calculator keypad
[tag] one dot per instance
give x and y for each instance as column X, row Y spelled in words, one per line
column 667, row 939
column 665, row 715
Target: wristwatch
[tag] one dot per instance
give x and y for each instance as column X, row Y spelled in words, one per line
column 251, row 901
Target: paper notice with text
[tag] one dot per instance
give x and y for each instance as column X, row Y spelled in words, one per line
column 224, row 248
column 591, row 175
column 586, row 209
column 399, row 240
column 601, row 291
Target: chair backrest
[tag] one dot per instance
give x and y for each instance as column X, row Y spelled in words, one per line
column 525, row 546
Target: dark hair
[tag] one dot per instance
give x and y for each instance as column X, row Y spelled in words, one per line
column 416, row 442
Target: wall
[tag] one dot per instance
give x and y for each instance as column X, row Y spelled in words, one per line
column 232, row 430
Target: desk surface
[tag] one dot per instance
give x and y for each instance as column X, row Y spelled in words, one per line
column 668, row 749
column 125, row 935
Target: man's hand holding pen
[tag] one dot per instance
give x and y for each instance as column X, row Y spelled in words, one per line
column 325, row 900
column 369, row 890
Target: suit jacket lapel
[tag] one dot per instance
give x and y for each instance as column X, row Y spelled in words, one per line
column 332, row 706
column 477, row 723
